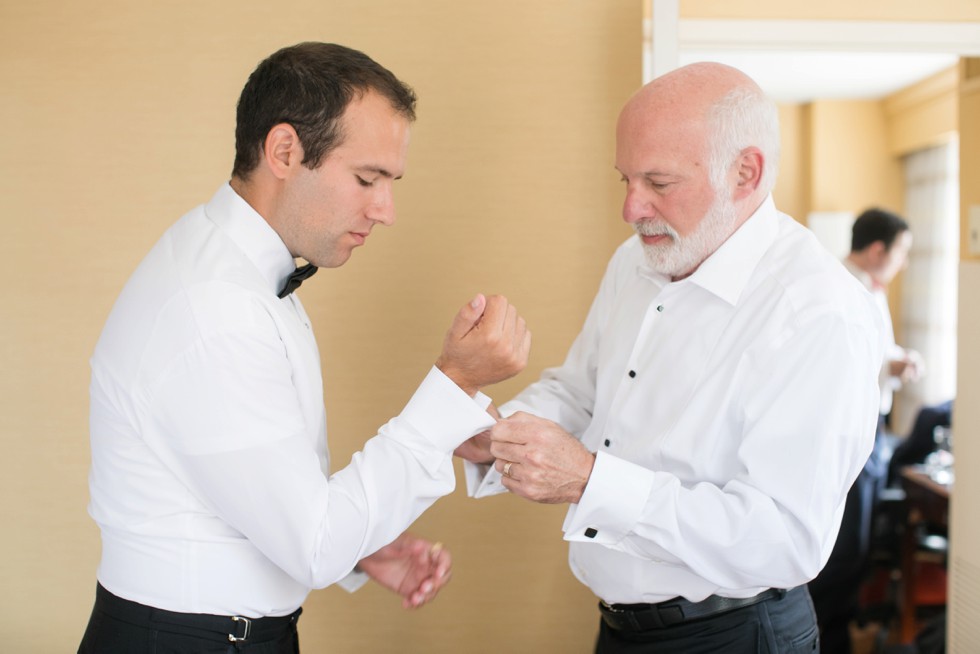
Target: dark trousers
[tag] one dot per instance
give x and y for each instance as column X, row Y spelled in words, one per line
column 785, row 625
column 836, row 589
column 118, row 626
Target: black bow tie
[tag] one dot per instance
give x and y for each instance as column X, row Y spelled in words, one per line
column 301, row 274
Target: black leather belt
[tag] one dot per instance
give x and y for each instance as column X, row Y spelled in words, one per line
column 643, row 617
column 219, row 628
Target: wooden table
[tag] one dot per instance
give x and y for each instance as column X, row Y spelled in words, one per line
column 928, row 504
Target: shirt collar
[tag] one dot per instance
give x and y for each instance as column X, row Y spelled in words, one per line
column 252, row 234
column 866, row 279
column 726, row 272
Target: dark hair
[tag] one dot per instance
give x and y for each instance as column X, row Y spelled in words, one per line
column 876, row 225
column 308, row 86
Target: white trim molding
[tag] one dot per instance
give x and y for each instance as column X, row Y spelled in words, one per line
column 961, row 38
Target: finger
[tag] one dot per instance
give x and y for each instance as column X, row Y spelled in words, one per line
column 468, row 317
column 495, row 315
column 506, row 466
column 444, row 567
column 524, row 338
column 507, row 469
column 520, row 328
column 433, row 554
column 507, row 451
column 511, row 321
column 505, row 431
column 510, row 484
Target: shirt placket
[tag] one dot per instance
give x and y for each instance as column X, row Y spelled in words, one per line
column 632, row 377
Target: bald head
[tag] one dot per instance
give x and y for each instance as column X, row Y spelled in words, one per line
column 720, row 108
column 694, row 88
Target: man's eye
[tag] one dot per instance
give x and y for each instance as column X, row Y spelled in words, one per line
column 362, row 181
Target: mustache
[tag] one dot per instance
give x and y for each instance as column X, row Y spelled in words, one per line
column 654, row 228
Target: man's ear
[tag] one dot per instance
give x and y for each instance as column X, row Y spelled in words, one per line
column 876, row 251
column 282, row 151
column 749, row 169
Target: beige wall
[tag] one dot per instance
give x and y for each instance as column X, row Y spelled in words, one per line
column 792, row 190
column 116, row 117
column 923, row 115
column 851, row 165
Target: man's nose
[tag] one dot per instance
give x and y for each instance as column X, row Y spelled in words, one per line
column 635, row 207
column 382, row 207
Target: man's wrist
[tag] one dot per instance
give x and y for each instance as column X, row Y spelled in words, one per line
column 588, row 475
column 457, row 378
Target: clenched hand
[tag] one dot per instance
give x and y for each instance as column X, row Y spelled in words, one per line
column 488, row 342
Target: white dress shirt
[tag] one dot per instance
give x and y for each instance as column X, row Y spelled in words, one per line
column 210, row 474
column 730, row 412
column 887, row 383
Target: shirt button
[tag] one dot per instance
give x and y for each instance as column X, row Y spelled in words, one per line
column 660, row 308
column 590, row 533
column 632, row 374
column 607, row 442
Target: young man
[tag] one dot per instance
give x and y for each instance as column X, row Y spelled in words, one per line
column 210, row 475
column 880, row 244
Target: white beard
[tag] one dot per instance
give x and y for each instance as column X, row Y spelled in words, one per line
column 682, row 255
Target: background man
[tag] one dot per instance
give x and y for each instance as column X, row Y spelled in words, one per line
column 210, row 475
column 880, row 244
column 719, row 400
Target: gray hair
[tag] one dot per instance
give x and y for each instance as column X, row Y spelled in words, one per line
column 742, row 118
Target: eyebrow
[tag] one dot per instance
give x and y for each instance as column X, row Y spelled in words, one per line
column 376, row 169
column 649, row 173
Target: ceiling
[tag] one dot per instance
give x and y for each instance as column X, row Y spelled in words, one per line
column 798, row 77
column 798, row 61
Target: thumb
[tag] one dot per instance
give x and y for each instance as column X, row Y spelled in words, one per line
column 468, row 317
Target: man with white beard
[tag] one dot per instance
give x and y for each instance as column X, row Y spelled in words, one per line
column 719, row 401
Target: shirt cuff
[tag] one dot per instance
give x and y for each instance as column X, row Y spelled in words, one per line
column 606, row 514
column 353, row 581
column 444, row 413
column 482, row 480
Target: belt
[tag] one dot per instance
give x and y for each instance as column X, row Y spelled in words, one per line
column 220, row 628
column 643, row 617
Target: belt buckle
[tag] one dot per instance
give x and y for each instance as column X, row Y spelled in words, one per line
column 248, row 626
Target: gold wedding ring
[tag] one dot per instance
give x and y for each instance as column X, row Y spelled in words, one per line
column 506, row 471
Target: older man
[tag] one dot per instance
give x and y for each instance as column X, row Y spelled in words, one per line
column 719, row 400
